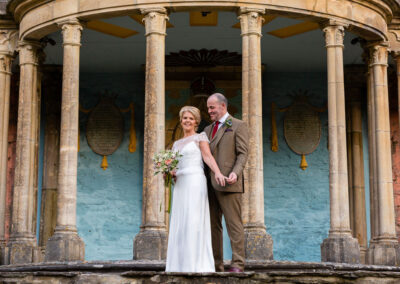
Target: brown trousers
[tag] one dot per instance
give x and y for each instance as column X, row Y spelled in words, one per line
column 229, row 204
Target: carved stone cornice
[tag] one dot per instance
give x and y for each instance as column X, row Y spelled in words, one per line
column 251, row 21
column 28, row 52
column 155, row 20
column 71, row 31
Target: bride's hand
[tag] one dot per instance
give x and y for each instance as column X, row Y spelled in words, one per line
column 220, row 178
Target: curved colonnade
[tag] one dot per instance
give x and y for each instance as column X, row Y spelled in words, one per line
column 374, row 21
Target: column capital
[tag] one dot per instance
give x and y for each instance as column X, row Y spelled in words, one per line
column 251, row 21
column 71, row 31
column 334, row 35
column 378, row 53
column 8, row 48
column 155, row 20
column 8, row 41
column 28, row 52
column 5, row 63
column 246, row 10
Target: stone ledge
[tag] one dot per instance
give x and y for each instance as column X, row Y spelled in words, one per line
column 157, row 266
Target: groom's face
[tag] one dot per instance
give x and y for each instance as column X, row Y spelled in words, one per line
column 216, row 109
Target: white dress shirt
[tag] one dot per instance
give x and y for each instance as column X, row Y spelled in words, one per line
column 222, row 120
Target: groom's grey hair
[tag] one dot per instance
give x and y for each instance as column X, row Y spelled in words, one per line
column 221, row 98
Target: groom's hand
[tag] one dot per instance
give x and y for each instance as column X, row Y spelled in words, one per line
column 232, row 178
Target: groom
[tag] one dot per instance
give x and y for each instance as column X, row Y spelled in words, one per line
column 228, row 143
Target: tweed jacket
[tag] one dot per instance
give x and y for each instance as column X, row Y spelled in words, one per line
column 229, row 148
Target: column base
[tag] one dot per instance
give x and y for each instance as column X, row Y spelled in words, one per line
column 150, row 245
column 341, row 248
column 258, row 243
column 65, row 246
column 383, row 253
column 363, row 255
column 3, row 252
column 21, row 251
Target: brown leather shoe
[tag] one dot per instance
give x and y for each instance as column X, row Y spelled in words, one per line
column 235, row 270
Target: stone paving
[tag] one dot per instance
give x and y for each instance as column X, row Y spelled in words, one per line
column 124, row 272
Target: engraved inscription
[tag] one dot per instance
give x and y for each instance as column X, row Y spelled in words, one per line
column 105, row 128
column 302, row 128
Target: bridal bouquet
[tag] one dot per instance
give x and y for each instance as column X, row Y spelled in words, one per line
column 166, row 162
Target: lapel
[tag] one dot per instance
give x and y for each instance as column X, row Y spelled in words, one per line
column 214, row 142
column 208, row 131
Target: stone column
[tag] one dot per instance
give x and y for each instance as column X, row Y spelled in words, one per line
column 52, row 101
column 258, row 244
column 355, row 87
column 65, row 244
column 8, row 43
column 22, row 246
column 151, row 241
column 340, row 246
column 384, row 248
column 374, row 220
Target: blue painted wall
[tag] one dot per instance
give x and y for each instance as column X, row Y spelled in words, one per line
column 296, row 201
column 109, row 202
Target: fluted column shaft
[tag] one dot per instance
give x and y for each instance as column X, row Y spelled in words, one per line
column 65, row 244
column 151, row 241
column 22, row 245
column 340, row 246
column 8, row 39
column 258, row 244
column 384, row 249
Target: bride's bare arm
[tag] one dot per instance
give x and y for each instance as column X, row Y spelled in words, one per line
column 210, row 161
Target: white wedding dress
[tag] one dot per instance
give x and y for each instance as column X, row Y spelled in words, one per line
column 189, row 241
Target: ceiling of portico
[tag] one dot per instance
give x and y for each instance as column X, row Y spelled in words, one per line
column 300, row 53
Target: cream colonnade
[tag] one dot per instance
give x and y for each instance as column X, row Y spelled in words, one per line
column 65, row 244
column 340, row 246
column 151, row 241
column 22, row 245
column 258, row 244
column 384, row 247
column 8, row 45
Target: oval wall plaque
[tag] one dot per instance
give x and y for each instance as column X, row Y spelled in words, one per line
column 105, row 127
column 302, row 128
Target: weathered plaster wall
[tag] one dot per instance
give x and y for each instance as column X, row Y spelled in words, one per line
column 296, row 201
column 109, row 202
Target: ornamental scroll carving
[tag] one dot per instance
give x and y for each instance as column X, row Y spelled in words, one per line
column 302, row 128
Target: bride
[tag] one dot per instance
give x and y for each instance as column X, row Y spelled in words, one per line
column 189, row 241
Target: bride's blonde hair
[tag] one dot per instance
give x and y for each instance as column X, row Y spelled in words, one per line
column 194, row 111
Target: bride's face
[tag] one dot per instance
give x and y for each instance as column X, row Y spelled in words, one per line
column 188, row 122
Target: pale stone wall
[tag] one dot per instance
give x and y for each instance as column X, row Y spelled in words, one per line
column 3, row 4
